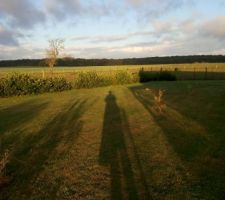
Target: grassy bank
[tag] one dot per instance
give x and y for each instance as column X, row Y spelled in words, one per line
column 113, row 143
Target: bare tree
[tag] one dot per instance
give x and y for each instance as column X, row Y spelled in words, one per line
column 52, row 53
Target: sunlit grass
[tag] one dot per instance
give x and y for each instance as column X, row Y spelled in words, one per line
column 114, row 143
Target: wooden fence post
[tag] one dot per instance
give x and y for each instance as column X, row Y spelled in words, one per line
column 194, row 74
column 206, row 73
column 43, row 74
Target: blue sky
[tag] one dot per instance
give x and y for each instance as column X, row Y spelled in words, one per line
column 112, row 28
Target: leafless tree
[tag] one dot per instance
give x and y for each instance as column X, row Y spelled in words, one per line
column 53, row 52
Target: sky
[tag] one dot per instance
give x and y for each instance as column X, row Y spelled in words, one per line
column 112, row 28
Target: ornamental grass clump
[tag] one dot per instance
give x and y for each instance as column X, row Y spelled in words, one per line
column 4, row 160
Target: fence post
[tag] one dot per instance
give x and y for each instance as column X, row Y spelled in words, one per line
column 206, row 73
column 43, row 74
column 194, row 74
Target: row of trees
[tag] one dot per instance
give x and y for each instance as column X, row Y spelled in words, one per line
column 57, row 45
column 68, row 61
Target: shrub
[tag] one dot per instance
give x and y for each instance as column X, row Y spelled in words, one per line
column 54, row 84
column 167, row 76
column 21, row 84
column 146, row 76
column 2, row 86
column 18, row 84
column 90, row 80
column 123, row 77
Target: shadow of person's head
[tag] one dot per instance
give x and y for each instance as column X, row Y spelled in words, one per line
column 110, row 97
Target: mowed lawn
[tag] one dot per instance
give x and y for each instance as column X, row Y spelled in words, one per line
column 113, row 143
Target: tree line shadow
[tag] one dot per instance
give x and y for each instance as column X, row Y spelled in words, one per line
column 199, row 75
column 190, row 140
column 114, row 153
column 14, row 117
column 184, row 134
column 30, row 153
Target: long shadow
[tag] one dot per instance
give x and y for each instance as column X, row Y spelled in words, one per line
column 33, row 153
column 19, row 114
column 191, row 143
column 187, row 143
column 14, row 117
column 143, row 180
column 113, row 152
column 195, row 75
column 208, row 107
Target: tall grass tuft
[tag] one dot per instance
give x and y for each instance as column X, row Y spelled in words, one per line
column 3, row 162
column 158, row 97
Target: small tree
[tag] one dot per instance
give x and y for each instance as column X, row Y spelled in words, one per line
column 52, row 53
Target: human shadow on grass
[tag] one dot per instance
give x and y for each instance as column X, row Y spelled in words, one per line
column 114, row 152
column 35, row 151
column 144, row 190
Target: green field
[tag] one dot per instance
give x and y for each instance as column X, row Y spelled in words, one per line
column 113, row 143
column 216, row 67
column 196, row 71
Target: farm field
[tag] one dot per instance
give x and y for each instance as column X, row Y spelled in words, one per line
column 196, row 71
column 217, row 67
column 114, row 143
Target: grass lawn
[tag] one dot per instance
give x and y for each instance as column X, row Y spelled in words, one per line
column 113, row 143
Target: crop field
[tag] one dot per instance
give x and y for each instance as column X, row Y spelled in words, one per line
column 115, row 143
column 196, row 71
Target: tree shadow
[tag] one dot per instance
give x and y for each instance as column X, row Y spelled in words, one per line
column 14, row 117
column 114, row 152
column 191, row 140
column 184, row 134
column 34, row 152
column 19, row 114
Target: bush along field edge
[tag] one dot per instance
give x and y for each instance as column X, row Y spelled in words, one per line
column 23, row 84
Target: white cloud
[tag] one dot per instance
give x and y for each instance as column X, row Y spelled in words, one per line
column 156, row 35
column 20, row 13
column 215, row 28
column 60, row 9
column 23, row 51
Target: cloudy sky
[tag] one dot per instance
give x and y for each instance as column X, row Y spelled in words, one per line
column 112, row 28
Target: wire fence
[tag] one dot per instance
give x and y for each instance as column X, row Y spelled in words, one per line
column 181, row 71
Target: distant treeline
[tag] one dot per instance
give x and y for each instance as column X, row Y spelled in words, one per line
column 109, row 62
